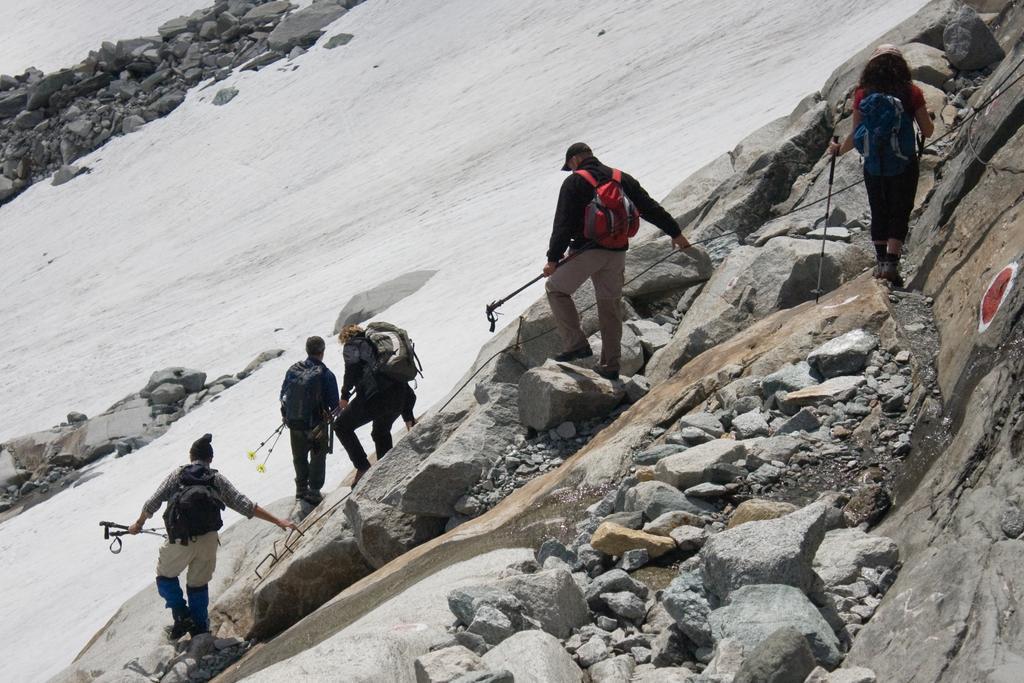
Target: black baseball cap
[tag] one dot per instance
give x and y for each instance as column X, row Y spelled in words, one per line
column 574, row 149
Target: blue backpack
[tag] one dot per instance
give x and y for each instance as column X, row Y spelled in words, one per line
column 885, row 135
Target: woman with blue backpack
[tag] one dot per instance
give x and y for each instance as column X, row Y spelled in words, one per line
column 886, row 104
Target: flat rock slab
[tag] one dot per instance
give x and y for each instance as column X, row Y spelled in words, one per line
column 828, row 392
column 555, row 393
column 844, row 552
column 534, row 657
column 691, row 466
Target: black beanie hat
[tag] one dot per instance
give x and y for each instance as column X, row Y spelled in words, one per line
column 202, row 449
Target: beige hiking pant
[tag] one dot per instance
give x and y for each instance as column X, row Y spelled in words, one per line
column 199, row 556
column 606, row 269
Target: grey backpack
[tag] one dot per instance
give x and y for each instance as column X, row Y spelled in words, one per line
column 396, row 354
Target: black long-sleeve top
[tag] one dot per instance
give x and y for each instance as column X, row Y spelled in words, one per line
column 576, row 193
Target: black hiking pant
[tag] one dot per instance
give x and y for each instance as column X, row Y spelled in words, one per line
column 891, row 199
column 309, row 455
column 382, row 410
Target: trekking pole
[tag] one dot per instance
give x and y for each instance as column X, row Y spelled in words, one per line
column 276, row 436
column 492, row 308
column 828, row 210
column 112, row 530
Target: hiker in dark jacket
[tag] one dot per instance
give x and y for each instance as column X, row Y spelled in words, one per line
column 378, row 399
column 310, row 392
column 605, row 267
column 197, row 550
column 891, row 197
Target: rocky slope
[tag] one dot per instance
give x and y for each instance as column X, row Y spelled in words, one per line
column 643, row 530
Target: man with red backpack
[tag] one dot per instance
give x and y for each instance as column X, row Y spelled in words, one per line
column 598, row 211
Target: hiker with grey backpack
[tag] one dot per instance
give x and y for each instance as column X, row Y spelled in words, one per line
column 380, row 361
column 195, row 495
column 309, row 396
column 886, row 104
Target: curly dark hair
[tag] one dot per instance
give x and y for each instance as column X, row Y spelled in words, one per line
column 886, row 73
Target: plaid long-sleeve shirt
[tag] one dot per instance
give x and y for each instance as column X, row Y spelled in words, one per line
column 231, row 496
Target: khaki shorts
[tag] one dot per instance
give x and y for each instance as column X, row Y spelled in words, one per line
column 199, row 556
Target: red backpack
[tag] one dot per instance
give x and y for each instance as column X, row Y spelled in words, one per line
column 610, row 219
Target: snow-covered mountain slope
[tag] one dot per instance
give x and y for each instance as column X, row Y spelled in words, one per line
column 433, row 140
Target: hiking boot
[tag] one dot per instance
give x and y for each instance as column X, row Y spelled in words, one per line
column 182, row 624
column 607, row 374
column 312, row 497
column 891, row 272
column 300, row 494
column 359, row 475
column 575, row 354
column 877, row 272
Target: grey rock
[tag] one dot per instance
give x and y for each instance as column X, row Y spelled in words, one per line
column 491, row 624
column 754, row 612
column 303, row 28
column 489, row 676
column 649, row 273
column 670, row 648
column 625, row 604
column 843, row 553
column 369, row 303
column 224, row 95
column 707, row 490
column 692, row 466
column 132, row 123
column 615, row 670
column 664, row 524
column 384, row 532
column 338, row 40
column 592, row 652
column 258, row 362
column 706, row 422
column 782, row 657
column 804, row 421
column 927, row 64
column 844, row 355
column 12, row 103
column 466, row 602
column 632, row 353
column 630, row 520
column 267, row 12
column 614, row 581
column 39, row 95
column 655, row 498
column 168, row 103
column 173, row 28
column 553, row 548
column 637, row 387
column 189, row 379
column 632, row 560
column 534, row 657
column 750, row 425
column 833, row 233
column 779, row 551
column 688, row 538
column 652, row 335
column 867, row 505
column 67, row 173
column 686, row 601
column 653, row 454
column 167, row 393
column 557, row 392
column 551, row 598
column 788, row 378
column 969, row 43
column 446, row 664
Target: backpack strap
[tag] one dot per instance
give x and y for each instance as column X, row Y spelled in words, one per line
column 586, row 176
column 617, row 175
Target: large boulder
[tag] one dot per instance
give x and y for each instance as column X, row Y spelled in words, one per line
column 303, row 28
column 687, row 602
column 844, row 552
column 557, row 392
column 693, row 465
column 927, row 64
column 969, row 43
column 191, row 380
column 844, row 355
column 755, row 612
column 447, row 664
column 774, row 551
column 782, row 657
column 552, row 598
column 672, row 276
column 39, row 94
column 462, row 459
column 9, row 472
column 750, row 284
column 631, row 350
column 383, row 532
column 534, row 657
column 326, row 561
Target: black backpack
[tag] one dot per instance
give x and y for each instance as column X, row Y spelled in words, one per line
column 194, row 508
column 304, row 397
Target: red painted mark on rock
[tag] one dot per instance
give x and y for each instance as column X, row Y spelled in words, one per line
column 994, row 296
